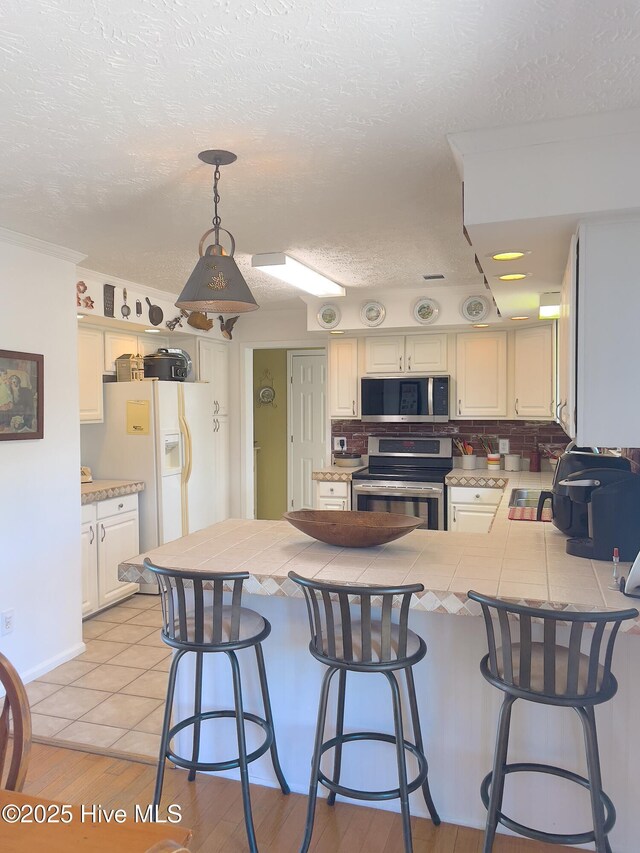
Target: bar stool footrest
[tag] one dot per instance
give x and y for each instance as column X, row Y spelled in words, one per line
column 538, row 834
column 232, row 763
column 355, row 793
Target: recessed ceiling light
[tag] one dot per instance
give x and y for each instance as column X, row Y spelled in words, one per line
column 519, row 318
column 508, row 256
column 513, row 276
column 152, row 331
column 480, row 325
column 336, row 332
column 79, row 316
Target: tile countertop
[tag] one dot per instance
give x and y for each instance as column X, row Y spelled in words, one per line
column 336, row 473
column 102, row 490
column 520, row 560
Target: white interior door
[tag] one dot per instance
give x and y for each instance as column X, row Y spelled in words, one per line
column 307, row 424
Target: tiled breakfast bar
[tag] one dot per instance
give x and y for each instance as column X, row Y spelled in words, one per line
column 520, row 560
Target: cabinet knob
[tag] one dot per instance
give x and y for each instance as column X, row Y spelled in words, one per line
column 353, row 407
column 331, row 489
column 459, row 407
column 92, row 534
column 517, row 412
column 408, row 362
column 400, row 362
column 477, row 497
column 120, row 506
column 104, row 533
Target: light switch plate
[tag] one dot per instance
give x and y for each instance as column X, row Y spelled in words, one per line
column 503, row 445
column 340, row 443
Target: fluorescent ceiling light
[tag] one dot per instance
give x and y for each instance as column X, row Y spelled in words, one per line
column 293, row 272
column 549, row 306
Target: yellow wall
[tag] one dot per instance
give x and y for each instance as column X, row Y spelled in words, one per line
column 270, row 433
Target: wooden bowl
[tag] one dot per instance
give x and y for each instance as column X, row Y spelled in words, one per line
column 351, row 529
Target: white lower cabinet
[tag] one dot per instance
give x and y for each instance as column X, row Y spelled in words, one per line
column 109, row 536
column 472, row 510
column 331, row 495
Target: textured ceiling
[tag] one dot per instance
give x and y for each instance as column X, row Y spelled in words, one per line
column 337, row 110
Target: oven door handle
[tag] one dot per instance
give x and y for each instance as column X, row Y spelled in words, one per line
column 431, row 491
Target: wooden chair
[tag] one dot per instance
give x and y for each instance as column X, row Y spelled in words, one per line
column 18, row 744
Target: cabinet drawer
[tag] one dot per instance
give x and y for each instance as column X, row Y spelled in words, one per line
column 479, row 497
column 88, row 513
column 332, row 490
column 117, row 506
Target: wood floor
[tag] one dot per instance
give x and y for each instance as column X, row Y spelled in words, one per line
column 212, row 808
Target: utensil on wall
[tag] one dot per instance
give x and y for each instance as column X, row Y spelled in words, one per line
column 138, row 308
column 155, row 313
column 125, row 310
column 108, row 291
column 177, row 321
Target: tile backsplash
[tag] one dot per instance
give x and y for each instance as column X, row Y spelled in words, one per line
column 524, row 436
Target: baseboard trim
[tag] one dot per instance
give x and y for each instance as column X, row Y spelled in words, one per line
column 52, row 663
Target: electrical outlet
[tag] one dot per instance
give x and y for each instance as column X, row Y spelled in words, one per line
column 6, row 622
column 503, row 445
column 340, row 443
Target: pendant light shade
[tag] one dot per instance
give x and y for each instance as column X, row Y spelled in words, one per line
column 216, row 284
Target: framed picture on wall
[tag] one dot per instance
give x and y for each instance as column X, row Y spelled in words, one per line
column 21, row 395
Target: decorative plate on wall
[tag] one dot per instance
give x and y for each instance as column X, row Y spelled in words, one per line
column 474, row 309
column 328, row 316
column 266, row 395
column 426, row 311
column 372, row 313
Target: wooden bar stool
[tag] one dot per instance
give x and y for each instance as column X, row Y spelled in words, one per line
column 365, row 642
column 16, row 746
column 195, row 618
column 577, row 675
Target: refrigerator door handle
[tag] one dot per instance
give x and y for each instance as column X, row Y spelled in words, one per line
column 187, row 449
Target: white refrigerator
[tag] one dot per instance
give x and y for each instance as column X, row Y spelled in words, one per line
column 162, row 433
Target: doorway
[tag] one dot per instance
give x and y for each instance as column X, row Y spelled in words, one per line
column 289, row 428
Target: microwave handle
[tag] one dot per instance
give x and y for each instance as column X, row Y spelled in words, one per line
column 430, row 397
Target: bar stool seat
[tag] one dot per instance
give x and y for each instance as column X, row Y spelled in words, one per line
column 549, row 672
column 365, row 641
column 197, row 619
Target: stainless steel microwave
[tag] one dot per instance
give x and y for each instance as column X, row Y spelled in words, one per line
column 405, row 399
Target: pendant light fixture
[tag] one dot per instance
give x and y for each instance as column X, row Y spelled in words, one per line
column 216, row 284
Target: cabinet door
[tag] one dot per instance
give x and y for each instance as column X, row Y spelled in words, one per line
column 426, row 353
column 117, row 540
column 343, row 379
column 89, row 550
column 213, row 367
column 565, row 413
column 90, row 368
column 150, row 343
column 221, row 463
column 333, row 503
column 533, row 372
column 116, row 344
column 481, row 375
column 470, row 519
column 384, row 355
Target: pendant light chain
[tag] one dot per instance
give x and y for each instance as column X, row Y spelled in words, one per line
column 216, row 200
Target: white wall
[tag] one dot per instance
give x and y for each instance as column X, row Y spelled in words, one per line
column 40, row 494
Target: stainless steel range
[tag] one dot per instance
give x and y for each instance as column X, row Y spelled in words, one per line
column 405, row 475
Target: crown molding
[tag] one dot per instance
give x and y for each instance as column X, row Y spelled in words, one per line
column 36, row 245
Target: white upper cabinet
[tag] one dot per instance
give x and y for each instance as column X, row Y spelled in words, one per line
column 400, row 354
column 533, row 372
column 213, row 367
column 150, row 343
column 90, row 368
column 565, row 411
column 425, row 353
column 117, row 344
column 384, row 354
column 481, row 375
column 343, row 379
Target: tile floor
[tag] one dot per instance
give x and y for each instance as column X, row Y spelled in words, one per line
column 112, row 695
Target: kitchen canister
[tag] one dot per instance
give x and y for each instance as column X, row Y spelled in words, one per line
column 512, row 461
column 469, row 461
column 493, row 461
